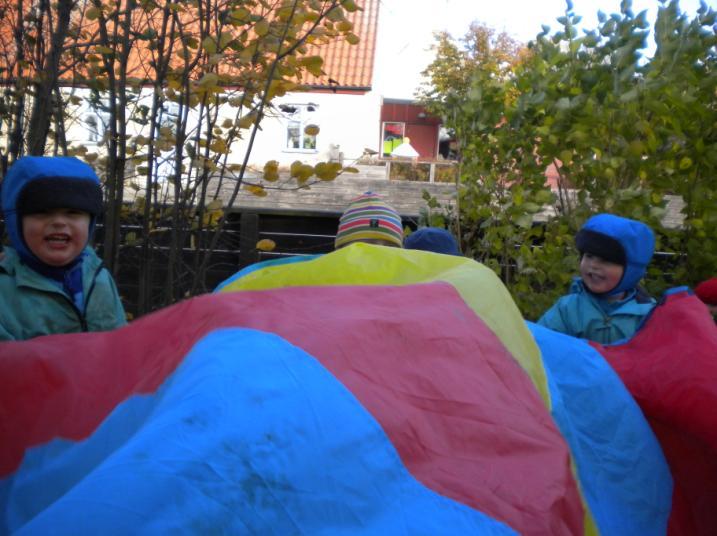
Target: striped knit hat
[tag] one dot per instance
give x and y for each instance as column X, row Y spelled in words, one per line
column 369, row 218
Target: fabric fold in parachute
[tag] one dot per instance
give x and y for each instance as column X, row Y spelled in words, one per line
column 287, row 463
column 670, row 368
column 364, row 264
column 608, row 437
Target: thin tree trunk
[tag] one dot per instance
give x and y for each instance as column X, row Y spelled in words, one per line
column 39, row 124
column 16, row 141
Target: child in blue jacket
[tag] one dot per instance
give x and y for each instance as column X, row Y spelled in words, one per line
column 605, row 304
column 51, row 281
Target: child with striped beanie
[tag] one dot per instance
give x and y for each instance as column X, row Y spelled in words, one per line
column 369, row 219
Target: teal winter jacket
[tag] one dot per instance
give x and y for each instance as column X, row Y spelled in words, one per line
column 32, row 305
column 587, row 316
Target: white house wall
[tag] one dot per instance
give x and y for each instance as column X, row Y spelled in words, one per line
column 348, row 124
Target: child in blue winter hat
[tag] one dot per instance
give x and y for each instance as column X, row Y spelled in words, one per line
column 605, row 304
column 51, row 281
column 435, row 239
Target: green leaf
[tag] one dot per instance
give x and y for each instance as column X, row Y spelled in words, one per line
column 524, row 220
column 685, row 163
column 93, row 13
column 563, row 103
column 629, row 96
column 209, row 45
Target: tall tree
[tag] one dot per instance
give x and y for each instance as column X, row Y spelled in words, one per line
column 181, row 87
column 448, row 78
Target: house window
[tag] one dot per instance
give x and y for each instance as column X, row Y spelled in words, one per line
column 301, row 126
column 168, row 115
column 392, row 136
column 96, row 124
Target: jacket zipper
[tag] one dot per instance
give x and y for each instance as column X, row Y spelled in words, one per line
column 80, row 316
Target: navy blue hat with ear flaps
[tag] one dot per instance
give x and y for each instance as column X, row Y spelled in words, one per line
column 38, row 183
column 620, row 240
column 432, row 239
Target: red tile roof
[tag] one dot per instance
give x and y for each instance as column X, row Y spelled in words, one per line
column 350, row 67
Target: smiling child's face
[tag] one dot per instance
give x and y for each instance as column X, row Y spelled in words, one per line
column 598, row 275
column 57, row 236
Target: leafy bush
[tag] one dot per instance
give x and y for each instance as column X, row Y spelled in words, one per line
column 622, row 131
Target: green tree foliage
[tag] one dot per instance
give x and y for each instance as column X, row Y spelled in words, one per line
column 622, row 131
column 448, row 79
column 184, row 85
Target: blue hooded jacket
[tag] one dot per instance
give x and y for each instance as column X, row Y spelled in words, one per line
column 591, row 316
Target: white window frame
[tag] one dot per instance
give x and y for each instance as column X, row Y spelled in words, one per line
column 297, row 117
column 383, row 135
column 96, row 124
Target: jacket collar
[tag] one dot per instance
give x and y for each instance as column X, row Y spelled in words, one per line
column 27, row 277
column 578, row 287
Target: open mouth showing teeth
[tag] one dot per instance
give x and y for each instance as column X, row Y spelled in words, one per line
column 58, row 239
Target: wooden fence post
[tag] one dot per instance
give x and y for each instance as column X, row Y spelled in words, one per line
column 249, row 236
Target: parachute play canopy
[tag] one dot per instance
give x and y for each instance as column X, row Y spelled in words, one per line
column 372, row 390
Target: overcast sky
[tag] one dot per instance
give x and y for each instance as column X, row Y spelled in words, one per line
column 406, row 28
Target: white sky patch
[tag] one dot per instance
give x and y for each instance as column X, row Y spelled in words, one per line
column 406, row 28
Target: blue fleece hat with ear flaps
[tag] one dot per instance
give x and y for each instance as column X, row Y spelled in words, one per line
column 432, row 239
column 621, row 240
column 37, row 183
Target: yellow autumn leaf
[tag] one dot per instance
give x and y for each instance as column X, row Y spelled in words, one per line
column 219, row 146
column 335, row 15
column 313, row 64
column 240, row 15
column 209, row 45
column 209, row 79
column 247, row 121
column 295, row 167
column 93, row 13
column 277, row 88
column 352, row 39
column 350, row 170
column 303, row 173
column 266, row 245
column 327, row 172
column 235, row 101
column 271, row 171
column 214, row 205
column 261, row 28
column 311, row 130
column 256, row 190
column 349, row 5
column 285, row 13
column 344, row 26
column 224, row 39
